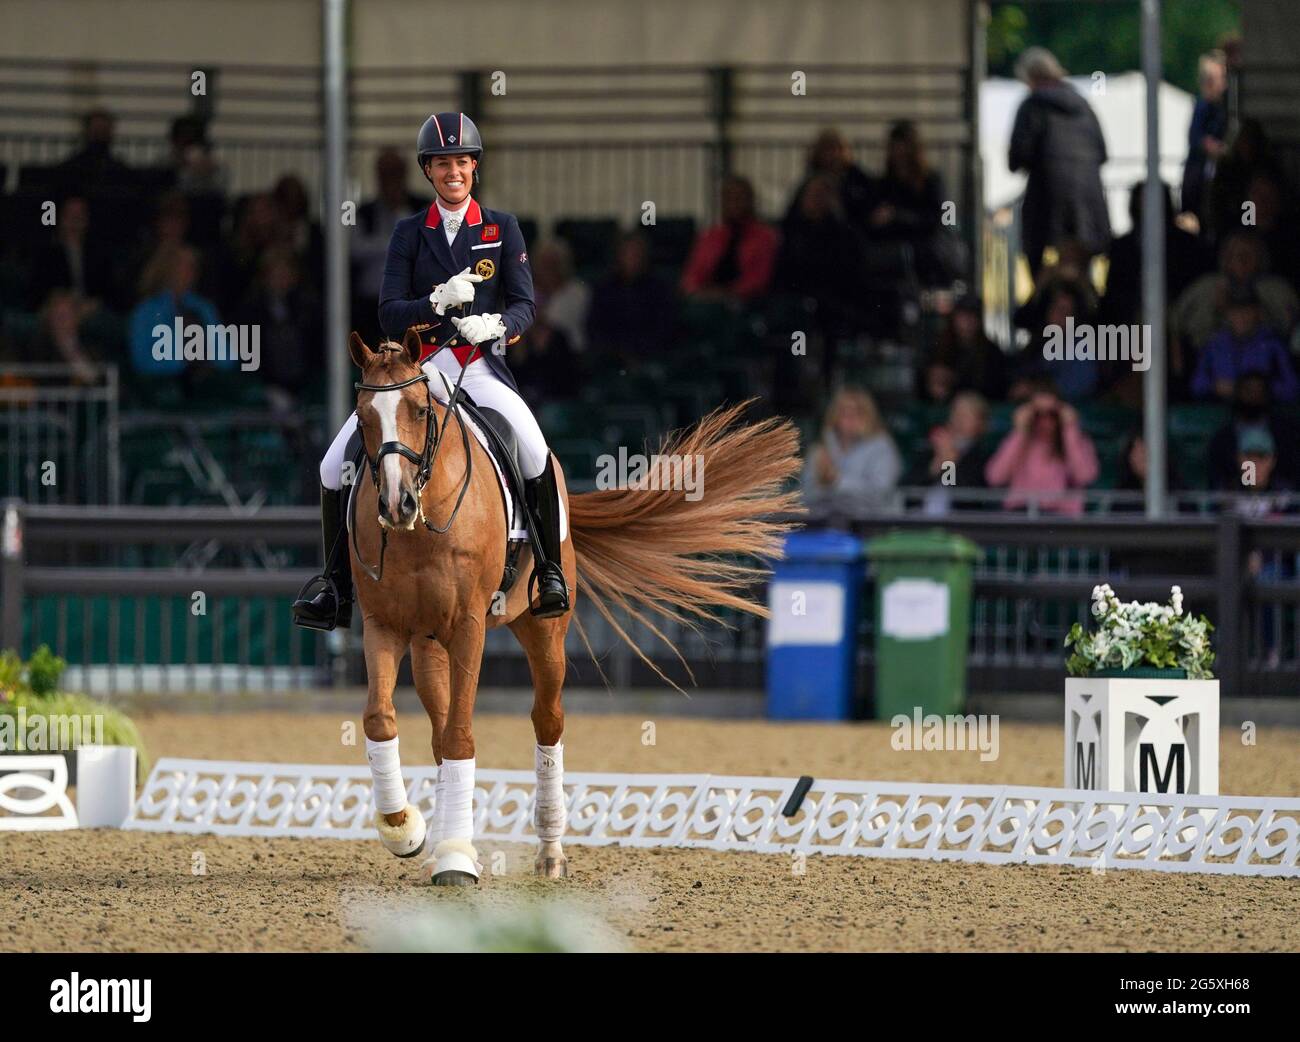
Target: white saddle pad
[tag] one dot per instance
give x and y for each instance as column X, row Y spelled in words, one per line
column 515, row 525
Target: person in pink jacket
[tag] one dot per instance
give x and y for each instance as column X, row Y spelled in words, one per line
column 1046, row 452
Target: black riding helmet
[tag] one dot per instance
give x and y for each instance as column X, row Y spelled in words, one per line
column 448, row 134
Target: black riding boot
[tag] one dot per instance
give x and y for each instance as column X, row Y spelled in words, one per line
column 544, row 504
column 331, row 605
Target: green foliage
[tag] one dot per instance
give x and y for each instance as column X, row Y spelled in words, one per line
column 44, row 669
column 1133, row 634
column 32, row 686
column 1106, row 38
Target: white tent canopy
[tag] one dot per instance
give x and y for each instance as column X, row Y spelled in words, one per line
column 1120, row 104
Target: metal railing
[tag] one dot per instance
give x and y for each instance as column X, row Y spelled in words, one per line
column 60, row 429
column 197, row 599
column 1036, row 575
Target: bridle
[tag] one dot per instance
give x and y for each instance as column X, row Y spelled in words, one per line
column 424, row 460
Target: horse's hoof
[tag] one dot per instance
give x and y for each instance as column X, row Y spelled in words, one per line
column 453, row 878
column 454, row 862
column 406, row 839
column 552, row 867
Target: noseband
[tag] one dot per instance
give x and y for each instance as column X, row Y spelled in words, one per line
column 424, row 459
column 433, row 434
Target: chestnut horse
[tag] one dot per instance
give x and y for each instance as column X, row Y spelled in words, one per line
column 429, row 550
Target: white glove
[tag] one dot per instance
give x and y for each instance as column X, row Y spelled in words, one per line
column 478, row 329
column 459, row 289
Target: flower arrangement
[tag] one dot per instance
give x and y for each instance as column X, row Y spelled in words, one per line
column 1136, row 634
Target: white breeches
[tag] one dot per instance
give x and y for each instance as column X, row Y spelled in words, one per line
column 487, row 390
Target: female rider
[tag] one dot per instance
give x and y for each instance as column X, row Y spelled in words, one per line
column 475, row 259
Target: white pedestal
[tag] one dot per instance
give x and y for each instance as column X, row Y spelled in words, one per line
column 105, row 785
column 1142, row 735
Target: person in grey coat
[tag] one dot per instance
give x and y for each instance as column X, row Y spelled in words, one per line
column 854, row 469
column 1058, row 142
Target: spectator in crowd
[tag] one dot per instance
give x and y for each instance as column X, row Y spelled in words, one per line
column 909, row 208
column 563, row 300
column 733, row 260
column 1275, row 224
column 822, row 259
column 297, row 230
column 1252, row 409
column 1057, row 140
column 1243, row 346
column 1185, row 261
column 257, row 229
column 1133, row 471
column 1046, row 453
column 75, row 260
column 173, row 297
column 1249, row 153
column 59, row 339
column 1074, row 379
column 368, row 244
column 170, row 229
column 632, row 314
column 194, row 168
column 964, row 357
column 1206, row 134
column 1201, row 311
column 957, row 455
column 94, row 163
column 855, row 467
column 1132, row 468
column 830, row 159
column 288, row 315
column 1071, row 271
column 1263, row 491
column 544, row 363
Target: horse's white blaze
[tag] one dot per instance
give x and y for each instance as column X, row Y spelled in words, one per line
column 385, row 405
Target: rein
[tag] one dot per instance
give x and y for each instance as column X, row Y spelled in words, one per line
column 433, row 435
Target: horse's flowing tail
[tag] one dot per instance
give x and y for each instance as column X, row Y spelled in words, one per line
column 656, row 552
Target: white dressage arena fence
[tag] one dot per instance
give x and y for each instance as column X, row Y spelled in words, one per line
column 105, row 790
column 990, row 824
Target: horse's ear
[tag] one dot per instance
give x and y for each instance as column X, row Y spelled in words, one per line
column 361, row 355
column 412, row 344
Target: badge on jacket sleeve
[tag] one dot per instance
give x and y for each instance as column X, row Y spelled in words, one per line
column 485, row 268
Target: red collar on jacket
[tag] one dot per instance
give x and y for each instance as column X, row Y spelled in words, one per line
column 473, row 215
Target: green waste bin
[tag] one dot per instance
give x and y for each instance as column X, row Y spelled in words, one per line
column 923, row 597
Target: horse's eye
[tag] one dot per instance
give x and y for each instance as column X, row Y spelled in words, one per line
column 422, row 412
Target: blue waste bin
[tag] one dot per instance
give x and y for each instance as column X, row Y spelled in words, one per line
column 812, row 634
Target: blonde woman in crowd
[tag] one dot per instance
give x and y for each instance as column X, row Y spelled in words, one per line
column 854, row 468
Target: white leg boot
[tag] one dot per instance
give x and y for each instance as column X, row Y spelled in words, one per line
column 454, row 861
column 550, row 811
column 406, row 839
